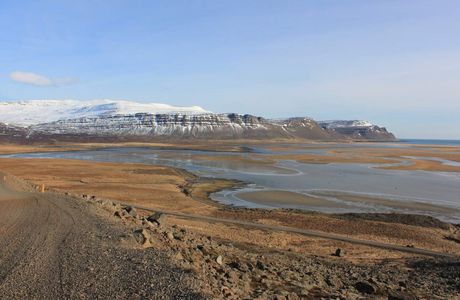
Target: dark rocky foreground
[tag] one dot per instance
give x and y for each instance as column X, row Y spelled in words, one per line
column 53, row 247
column 233, row 271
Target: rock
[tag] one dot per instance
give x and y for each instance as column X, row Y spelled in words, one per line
column 250, row 266
column 338, row 252
column 396, row 295
column 231, row 276
column 120, row 214
column 238, row 266
column 181, row 235
column 131, row 211
column 261, row 266
column 293, row 296
column 219, row 260
column 226, row 291
column 169, row 235
column 105, row 202
column 142, row 236
column 333, row 281
column 178, row 256
column 365, row 287
column 157, row 218
column 304, row 292
column 204, row 249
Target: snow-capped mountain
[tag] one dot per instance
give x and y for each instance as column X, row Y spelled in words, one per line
column 123, row 120
column 357, row 129
column 32, row 112
column 160, row 125
column 334, row 124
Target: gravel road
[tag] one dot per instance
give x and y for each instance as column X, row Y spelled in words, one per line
column 55, row 247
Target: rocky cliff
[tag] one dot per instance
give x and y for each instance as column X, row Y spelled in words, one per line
column 358, row 130
column 122, row 120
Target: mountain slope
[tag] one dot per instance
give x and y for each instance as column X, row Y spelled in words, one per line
column 357, row 129
column 32, row 112
column 122, row 120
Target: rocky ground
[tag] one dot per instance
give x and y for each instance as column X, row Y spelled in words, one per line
column 239, row 271
column 53, row 246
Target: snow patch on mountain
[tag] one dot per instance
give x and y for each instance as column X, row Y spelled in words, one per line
column 143, row 124
column 334, row 124
column 32, row 112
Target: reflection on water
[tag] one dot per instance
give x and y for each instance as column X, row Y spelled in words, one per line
column 436, row 188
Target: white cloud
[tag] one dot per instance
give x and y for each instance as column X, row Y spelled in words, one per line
column 31, row 78
column 39, row 80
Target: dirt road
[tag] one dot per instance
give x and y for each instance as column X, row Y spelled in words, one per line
column 54, row 247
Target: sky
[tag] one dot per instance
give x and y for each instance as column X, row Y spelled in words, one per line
column 394, row 63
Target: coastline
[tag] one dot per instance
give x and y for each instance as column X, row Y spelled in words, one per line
column 162, row 188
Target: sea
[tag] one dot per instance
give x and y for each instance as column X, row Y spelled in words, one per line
column 431, row 142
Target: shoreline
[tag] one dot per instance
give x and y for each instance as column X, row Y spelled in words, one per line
column 200, row 188
column 222, row 209
column 391, row 217
column 166, row 188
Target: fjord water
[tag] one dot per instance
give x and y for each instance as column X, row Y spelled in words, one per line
column 432, row 193
column 431, row 142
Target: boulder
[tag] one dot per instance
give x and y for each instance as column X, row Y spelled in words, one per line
column 143, row 237
column 366, row 287
column 131, row 211
column 401, row 295
column 261, row 266
column 120, row 213
column 169, row 235
column 338, row 252
column 180, row 235
column 157, row 218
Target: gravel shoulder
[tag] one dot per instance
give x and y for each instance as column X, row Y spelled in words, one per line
column 54, row 247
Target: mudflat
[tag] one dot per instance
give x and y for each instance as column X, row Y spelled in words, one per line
column 274, row 197
column 408, row 205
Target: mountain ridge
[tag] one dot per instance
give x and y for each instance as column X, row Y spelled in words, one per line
column 32, row 112
column 102, row 119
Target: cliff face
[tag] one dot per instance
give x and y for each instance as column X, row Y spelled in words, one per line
column 204, row 126
column 107, row 120
column 160, row 125
column 12, row 133
column 358, row 130
column 145, row 126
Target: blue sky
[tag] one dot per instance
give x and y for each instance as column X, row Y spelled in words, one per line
column 396, row 63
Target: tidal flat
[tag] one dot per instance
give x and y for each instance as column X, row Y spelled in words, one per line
column 331, row 178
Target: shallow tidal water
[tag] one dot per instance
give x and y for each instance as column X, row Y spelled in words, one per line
column 431, row 193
